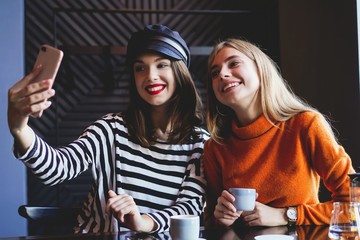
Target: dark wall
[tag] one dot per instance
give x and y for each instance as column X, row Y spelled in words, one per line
column 319, row 58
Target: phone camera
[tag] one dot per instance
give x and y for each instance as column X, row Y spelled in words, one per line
column 43, row 49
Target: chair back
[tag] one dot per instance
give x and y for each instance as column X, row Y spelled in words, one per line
column 49, row 220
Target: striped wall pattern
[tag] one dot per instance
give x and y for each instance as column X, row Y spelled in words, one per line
column 92, row 80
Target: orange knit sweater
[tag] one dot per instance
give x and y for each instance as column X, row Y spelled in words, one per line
column 284, row 164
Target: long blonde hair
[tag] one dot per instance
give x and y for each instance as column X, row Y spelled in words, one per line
column 278, row 101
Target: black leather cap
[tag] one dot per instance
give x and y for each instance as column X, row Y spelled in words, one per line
column 159, row 39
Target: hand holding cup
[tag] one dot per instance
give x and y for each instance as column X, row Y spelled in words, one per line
column 244, row 198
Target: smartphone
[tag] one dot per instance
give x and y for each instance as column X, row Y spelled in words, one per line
column 50, row 59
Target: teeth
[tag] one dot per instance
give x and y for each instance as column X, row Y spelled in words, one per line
column 154, row 89
column 230, row 85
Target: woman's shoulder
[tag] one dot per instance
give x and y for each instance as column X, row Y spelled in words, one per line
column 112, row 120
column 308, row 118
column 113, row 117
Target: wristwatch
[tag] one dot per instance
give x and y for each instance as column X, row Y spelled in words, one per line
column 291, row 214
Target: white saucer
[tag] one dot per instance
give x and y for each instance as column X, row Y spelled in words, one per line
column 274, row 237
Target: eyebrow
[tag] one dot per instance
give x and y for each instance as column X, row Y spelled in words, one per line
column 226, row 60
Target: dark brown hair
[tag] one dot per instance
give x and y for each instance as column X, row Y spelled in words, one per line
column 185, row 110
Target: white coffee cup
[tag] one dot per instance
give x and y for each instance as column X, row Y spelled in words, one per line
column 244, row 198
column 184, row 227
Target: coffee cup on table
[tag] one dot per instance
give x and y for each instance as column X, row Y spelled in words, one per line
column 184, row 227
column 244, row 198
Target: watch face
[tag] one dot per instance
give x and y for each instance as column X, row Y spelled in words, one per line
column 291, row 213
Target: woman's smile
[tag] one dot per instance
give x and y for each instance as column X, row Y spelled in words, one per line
column 155, row 88
column 229, row 86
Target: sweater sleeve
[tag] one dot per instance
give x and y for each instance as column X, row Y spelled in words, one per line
column 333, row 165
column 56, row 165
column 191, row 195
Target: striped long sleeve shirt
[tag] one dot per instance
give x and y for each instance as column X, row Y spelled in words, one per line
column 164, row 179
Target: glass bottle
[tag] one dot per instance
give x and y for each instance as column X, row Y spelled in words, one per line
column 354, row 187
column 345, row 221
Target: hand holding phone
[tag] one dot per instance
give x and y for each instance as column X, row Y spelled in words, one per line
column 50, row 59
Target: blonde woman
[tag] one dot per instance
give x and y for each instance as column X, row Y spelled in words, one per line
column 265, row 137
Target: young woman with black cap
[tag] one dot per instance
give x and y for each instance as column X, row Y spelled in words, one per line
column 147, row 161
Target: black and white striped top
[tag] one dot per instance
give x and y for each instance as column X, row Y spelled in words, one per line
column 164, row 179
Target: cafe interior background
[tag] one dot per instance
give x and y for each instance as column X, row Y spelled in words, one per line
column 315, row 44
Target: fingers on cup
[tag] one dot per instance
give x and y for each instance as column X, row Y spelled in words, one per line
column 244, row 198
